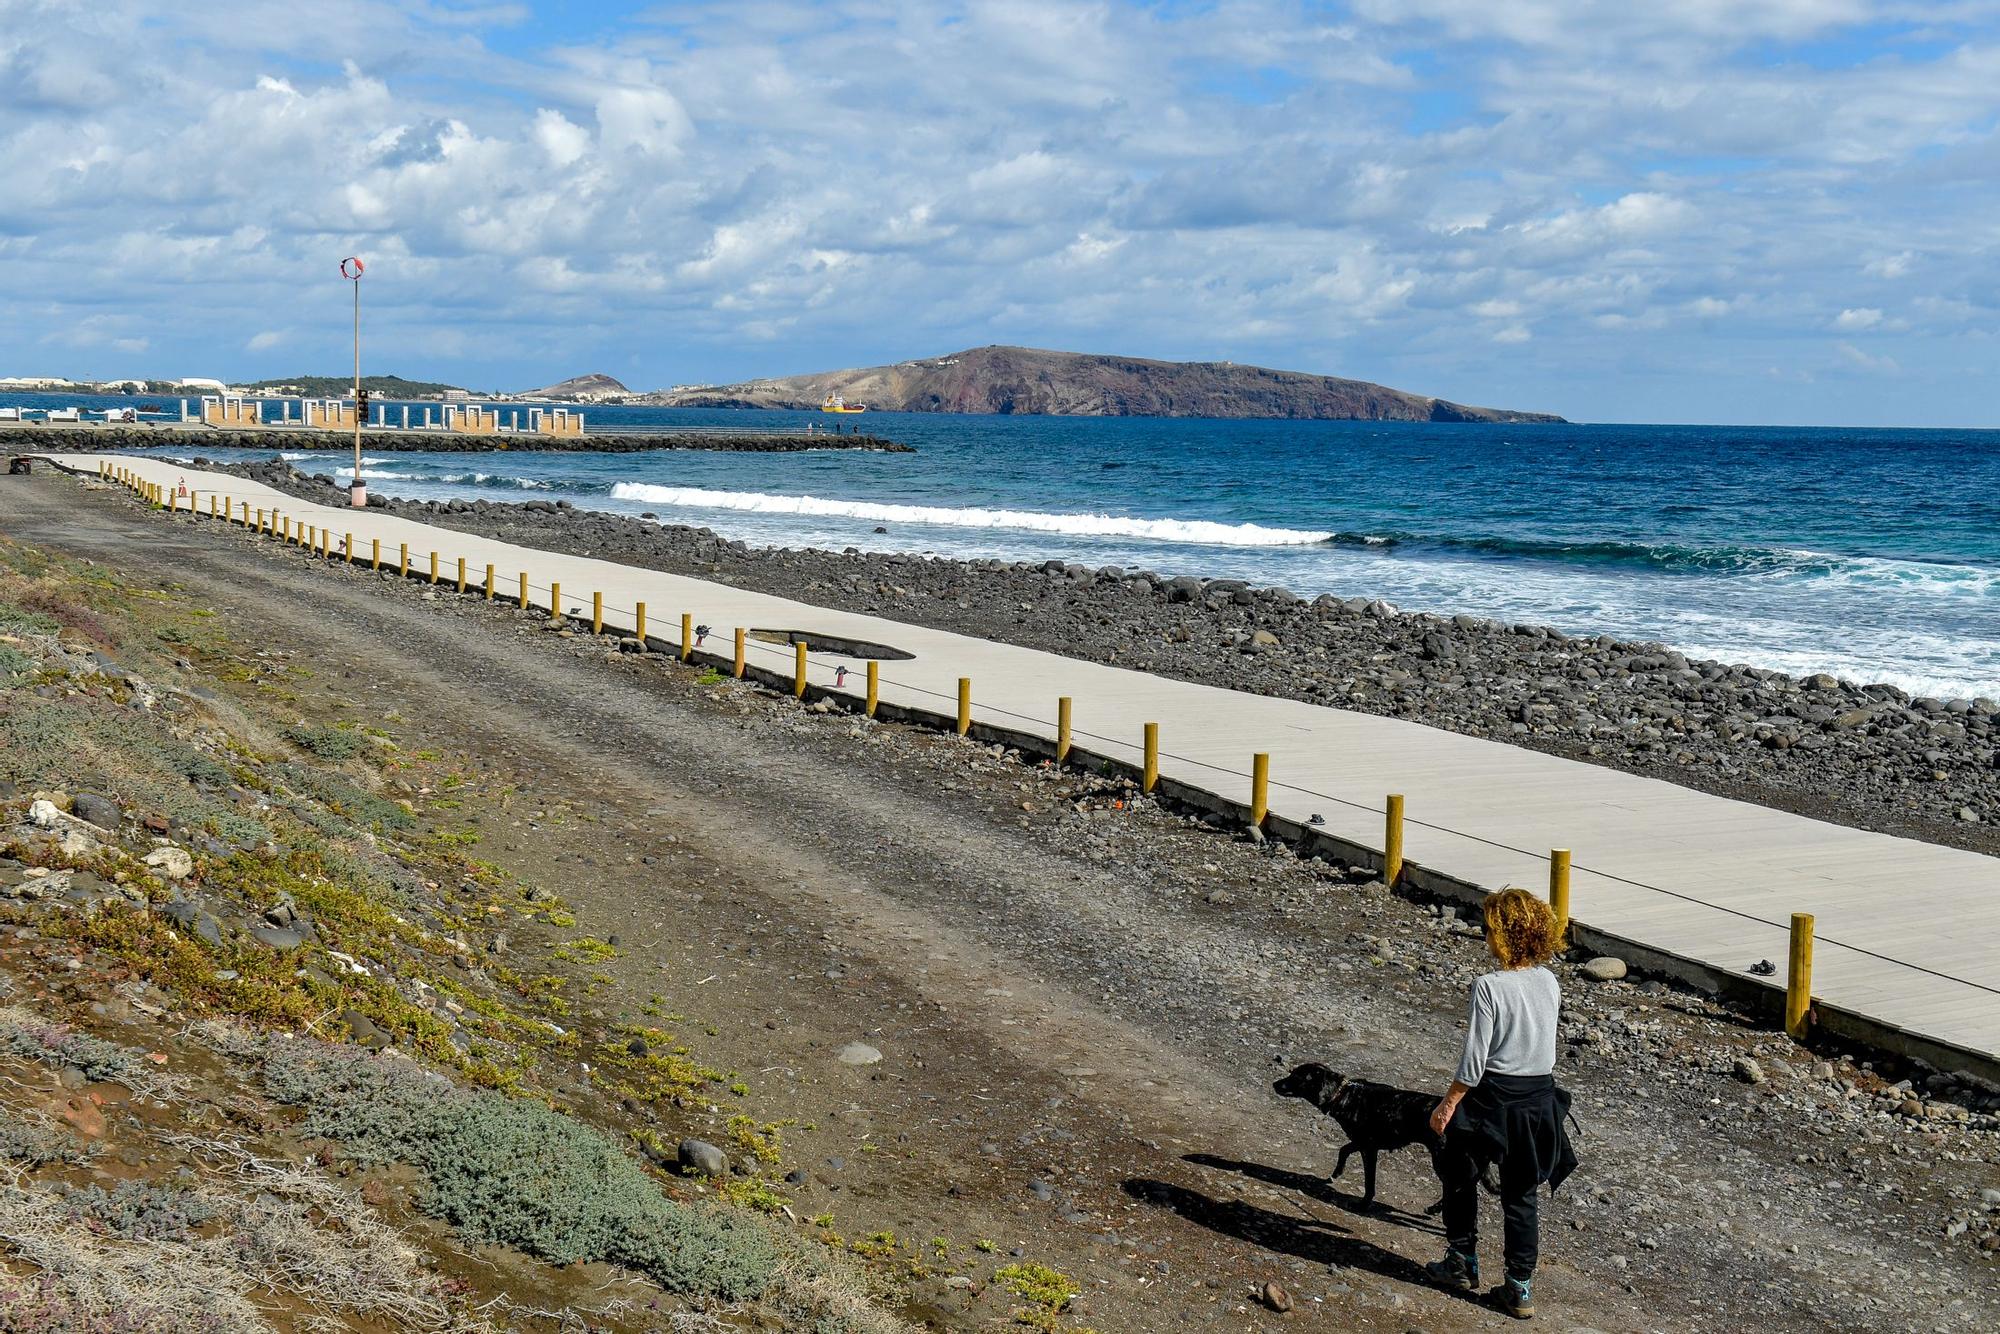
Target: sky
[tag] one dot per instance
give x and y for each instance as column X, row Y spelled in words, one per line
column 1782, row 211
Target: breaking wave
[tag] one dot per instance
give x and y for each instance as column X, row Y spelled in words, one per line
column 1198, row 531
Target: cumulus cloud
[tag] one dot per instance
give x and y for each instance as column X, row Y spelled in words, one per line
column 1518, row 203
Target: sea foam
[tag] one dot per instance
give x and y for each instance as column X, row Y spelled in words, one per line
column 1197, row 531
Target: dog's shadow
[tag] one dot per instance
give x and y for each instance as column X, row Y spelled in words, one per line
column 1316, row 1188
column 1318, row 1241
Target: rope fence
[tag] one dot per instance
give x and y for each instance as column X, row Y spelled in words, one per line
column 235, row 508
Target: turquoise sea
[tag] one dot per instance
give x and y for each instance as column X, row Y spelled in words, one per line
column 1873, row 554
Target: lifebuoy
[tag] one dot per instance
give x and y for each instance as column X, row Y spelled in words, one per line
column 350, row 268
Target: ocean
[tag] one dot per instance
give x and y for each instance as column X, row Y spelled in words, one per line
column 1871, row 554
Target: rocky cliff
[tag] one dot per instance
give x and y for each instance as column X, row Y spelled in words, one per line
column 1027, row 380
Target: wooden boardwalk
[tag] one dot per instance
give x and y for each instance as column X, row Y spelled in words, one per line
column 1668, row 867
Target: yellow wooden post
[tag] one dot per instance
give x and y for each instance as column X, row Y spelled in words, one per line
column 374, row 553
column 1392, row 842
column 639, row 625
column 260, row 519
column 874, row 686
column 347, row 552
column 1798, row 977
column 1260, row 788
column 523, row 596
column 1150, row 775
column 211, row 504
column 687, row 636
column 461, row 574
column 736, row 667
column 406, row 558
column 1559, row 893
column 964, row 705
column 489, row 583
column 555, row 600
column 597, row 613
column 434, row 567
column 1062, row 729
column 799, row 669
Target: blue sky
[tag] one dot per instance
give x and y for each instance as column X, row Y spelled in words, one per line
column 1714, row 210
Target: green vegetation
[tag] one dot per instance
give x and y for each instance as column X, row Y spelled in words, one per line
column 511, row 1171
column 342, row 386
column 329, row 743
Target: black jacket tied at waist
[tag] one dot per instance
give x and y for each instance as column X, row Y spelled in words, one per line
column 1515, row 1122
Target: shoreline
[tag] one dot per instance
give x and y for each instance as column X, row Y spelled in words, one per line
column 1864, row 755
column 95, row 438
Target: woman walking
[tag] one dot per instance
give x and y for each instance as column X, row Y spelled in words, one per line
column 1503, row 1109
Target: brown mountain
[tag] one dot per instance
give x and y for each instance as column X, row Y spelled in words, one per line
column 592, row 388
column 1075, row 384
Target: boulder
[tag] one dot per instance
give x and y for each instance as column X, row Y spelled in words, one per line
column 1603, row 968
column 697, row 1157
column 100, row 811
column 172, row 862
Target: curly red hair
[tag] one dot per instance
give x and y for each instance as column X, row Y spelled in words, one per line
column 1520, row 928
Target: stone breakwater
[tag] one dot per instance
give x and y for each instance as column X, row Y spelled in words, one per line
column 1867, row 755
column 104, row 439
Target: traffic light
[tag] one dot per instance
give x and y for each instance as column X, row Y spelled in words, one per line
column 361, row 403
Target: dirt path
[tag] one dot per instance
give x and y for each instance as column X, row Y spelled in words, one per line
column 1080, row 1008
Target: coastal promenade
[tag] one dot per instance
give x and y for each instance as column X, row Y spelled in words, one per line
column 1908, row 937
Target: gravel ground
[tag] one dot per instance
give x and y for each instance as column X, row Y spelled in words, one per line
column 1080, row 1004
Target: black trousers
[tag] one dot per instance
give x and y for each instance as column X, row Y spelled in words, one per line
column 1522, row 1224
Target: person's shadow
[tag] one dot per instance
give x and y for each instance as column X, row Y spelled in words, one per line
column 1319, row 1241
column 1315, row 1187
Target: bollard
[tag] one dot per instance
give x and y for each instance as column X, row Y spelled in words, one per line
column 964, row 705
column 1392, row 842
column 406, row 558
column 1150, row 775
column 211, row 504
column 348, row 552
column 874, row 686
column 736, row 668
column 555, row 600
column 259, row 530
column 374, row 553
column 489, row 583
column 1559, row 893
column 1260, row 788
column 799, row 669
column 524, row 590
column 1062, row 730
column 687, row 636
column 434, row 567
column 461, row 574
column 597, row 613
column 639, row 625
column 1798, row 978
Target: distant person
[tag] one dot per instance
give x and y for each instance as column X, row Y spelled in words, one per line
column 1504, row 1110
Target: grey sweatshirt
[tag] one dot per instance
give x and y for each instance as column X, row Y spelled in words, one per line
column 1512, row 1028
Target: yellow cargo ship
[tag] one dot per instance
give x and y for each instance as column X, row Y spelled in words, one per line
column 835, row 403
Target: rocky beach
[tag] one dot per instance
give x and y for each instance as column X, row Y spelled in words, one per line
column 1856, row 753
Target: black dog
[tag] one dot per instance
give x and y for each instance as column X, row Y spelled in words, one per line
column 1376, row 1118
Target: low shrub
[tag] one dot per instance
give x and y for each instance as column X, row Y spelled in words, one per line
column 515, row 1172
column 139, row 1210
column 329, row 743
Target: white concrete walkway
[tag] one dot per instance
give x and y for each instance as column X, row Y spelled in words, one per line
column 1926, row 905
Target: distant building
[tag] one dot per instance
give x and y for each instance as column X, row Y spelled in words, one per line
column 34, row 382
column 456, row 396
column 196, row 382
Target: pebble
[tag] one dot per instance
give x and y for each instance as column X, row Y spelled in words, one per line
column 858, row 1053
column 1748, row 1070
column 1603, row 968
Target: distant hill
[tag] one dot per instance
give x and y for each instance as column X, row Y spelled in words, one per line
column 1028, row 380
column 591, row 388
column 334, row 386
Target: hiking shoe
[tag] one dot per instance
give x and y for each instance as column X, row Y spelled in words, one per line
column 1515, row 1298
column 1457, row 1270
